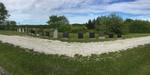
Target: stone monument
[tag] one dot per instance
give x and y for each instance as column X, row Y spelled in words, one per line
column 65, row 35
column 91, row 35
column 80, row 35
column 55, row 34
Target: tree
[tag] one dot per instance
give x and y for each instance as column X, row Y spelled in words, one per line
column 109, row 24
column 91, row 24
column 13, row 23
column 115, row 24
column 57, row 21
column 3, row 13
column 78, row 27
column 102, row 24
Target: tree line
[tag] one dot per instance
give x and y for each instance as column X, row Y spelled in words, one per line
column 5, row 24
column 111, row 24
column 116, row 24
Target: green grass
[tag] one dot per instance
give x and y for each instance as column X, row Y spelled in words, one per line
column 7, row 32
column 20, row 61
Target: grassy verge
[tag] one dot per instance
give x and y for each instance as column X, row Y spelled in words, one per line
column 20, row 61
column 7, row 32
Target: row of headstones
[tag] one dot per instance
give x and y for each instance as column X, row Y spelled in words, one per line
column 80, row 35
column 91, row 35
column 21, row 30
column 66, row 34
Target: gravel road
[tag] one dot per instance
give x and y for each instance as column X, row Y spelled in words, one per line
column 70, row 49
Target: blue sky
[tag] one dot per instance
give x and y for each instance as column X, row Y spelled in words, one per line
column 77, row 11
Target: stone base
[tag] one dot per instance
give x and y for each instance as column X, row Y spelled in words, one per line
column 102, row 37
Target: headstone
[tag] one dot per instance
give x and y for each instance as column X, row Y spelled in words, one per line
column 80, row 35
column 55, row 34
column 26, row 29
column 37, row 34
column 47, row 33
column 23, row 30
column 111, row 35
column 102, row 37
column 119, row 35
column 65, row 35
column 19, row 29
column 91, row 35
column 32, row 31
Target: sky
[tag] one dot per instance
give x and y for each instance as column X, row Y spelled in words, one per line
column 77, row 11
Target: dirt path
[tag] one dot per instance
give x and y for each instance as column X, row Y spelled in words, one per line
column 70, row 49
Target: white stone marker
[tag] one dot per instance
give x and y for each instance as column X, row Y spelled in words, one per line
column 19, row 30
column 55, row 34
column 23, row 30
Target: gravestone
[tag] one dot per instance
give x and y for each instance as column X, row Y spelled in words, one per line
column 32, row 32
column 102, row 36
column 42, row 33
column 19, row 29
column 55, row 34
column 91, row 35
column 80, row 35
column 37, row 34
column 23, row 30
column 47, row 34
column 65, row 35
column 119, row 35
column 110, row 35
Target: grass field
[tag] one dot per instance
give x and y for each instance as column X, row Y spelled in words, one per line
column 11, row 33
column 74, row 38
column 20, row 61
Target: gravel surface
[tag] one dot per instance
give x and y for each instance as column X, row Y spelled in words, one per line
column 3, row 72
column 70, row 49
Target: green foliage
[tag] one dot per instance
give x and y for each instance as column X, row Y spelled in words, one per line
column 115, row 24
column 139, row 26
column 57, row 21
column 91, row 24
column 64, row 28
column 75, row 28
column 9, row 25
column 12, row 23
column 3, row 13
column 18, row 61
column 107, row 24
column 5, row 24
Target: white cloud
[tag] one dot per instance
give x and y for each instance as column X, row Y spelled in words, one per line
column 137, row 7
column 21, row 10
